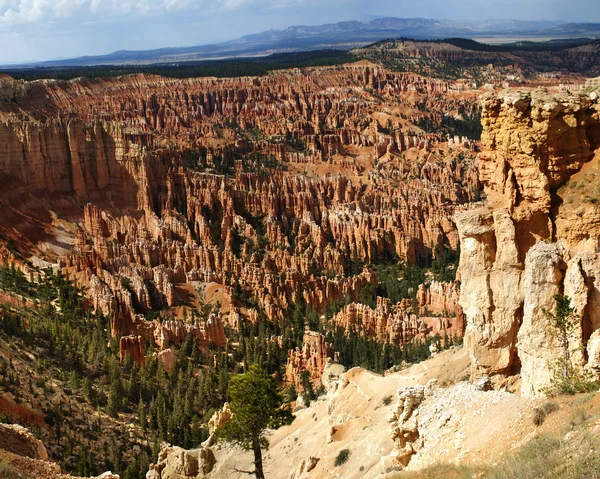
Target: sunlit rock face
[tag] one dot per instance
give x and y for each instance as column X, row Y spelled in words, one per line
column 538, row 235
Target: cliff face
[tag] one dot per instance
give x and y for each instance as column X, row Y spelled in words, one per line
column 537, row 237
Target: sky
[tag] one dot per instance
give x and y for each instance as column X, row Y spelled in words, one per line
column 35, row 30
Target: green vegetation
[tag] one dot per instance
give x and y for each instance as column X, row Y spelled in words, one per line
column 342, row 457
column 236, row 67
column 522, row 46
column 359, row 350
column 567, row 379
column 472, row 62
column 255, row 405
column 168, row 406
column 469, row 126
column 541, row 413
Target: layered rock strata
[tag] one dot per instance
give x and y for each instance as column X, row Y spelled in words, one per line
column 538, row 235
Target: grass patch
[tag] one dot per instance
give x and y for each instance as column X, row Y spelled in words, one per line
column 441, row 471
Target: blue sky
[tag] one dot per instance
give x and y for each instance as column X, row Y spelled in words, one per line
column 33, row 30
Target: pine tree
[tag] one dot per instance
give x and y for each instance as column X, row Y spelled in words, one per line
column 563, row 322
column 256, row 405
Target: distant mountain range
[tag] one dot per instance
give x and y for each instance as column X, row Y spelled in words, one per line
column 343, row 35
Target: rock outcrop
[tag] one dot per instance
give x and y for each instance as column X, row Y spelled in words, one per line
column 405, row 428
column 219, row 418
column 431, row 425
column 23, row 455
column 20, row 441
column 398, row 323
column 131, row 346
column 537, row 236
column 178, row 463
column 312, row 357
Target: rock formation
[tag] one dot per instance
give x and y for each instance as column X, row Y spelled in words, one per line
column 20, row 441
column 405, row 428
column 131, row 346
column 398, row 323
column 312, row 357
column 537, row 236
column 139, row 186
column 219, row 418
column 25, row 456
column 178, row 463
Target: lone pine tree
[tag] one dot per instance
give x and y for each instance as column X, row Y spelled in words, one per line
column 256, row 406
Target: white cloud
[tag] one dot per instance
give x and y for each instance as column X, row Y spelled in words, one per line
column 14, row 12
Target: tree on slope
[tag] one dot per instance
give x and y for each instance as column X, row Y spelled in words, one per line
column 256, row 406
column 567, row 379
column 562, row 321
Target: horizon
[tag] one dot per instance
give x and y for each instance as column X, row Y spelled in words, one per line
column 43, row 30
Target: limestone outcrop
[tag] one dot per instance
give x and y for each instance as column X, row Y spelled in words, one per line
column 405, row 428
column 219, row 418
column 177, row 463
column 536, row 237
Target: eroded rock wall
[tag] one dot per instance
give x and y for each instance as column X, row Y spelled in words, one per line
column 536, row 237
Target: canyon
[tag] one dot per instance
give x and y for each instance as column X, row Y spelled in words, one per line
column 133, row 209
column 174, row 231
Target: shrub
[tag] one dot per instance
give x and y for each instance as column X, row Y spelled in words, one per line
column 540, row 413
column 342, row 457
column 539, row 416
column 575, row 382
column 387, row 400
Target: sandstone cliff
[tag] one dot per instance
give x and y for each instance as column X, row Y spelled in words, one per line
column 537, row 236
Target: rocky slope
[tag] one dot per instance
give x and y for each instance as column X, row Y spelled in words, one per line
column 22, row 455
column 537, row 236
column 408, row 420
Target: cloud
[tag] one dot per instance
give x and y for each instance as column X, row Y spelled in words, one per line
column 15, row 12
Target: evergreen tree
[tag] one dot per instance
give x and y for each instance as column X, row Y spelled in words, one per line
column 256, row 405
